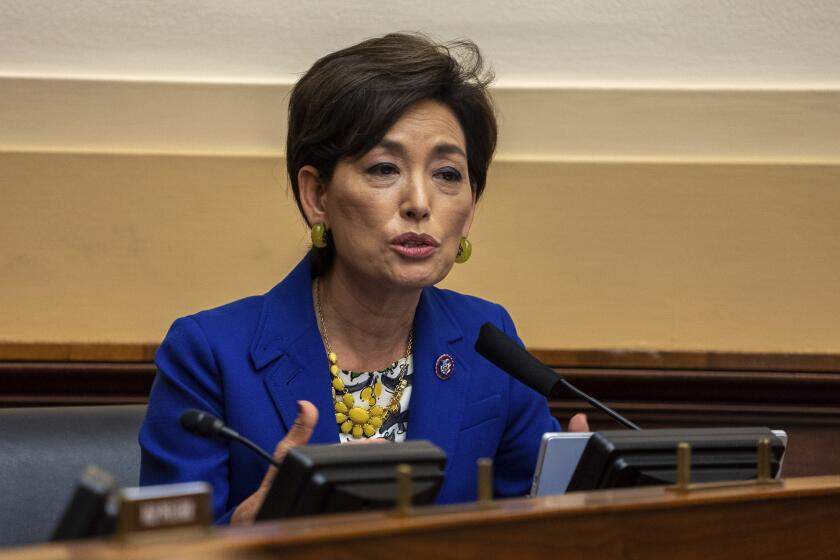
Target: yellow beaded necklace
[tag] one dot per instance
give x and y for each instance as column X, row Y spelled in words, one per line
column 353, row 419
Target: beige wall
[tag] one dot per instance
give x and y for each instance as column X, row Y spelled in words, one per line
column 585, row 254
column 620, row 218
column 734, row 257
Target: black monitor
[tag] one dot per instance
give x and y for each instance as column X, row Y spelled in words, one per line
column 627, row 458
column 338, row 478
column 90, row 512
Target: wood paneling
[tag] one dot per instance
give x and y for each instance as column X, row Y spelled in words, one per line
column 75, row 352
column 799, row 393
column 560, row 358
column 718, row 361
column 74, row 383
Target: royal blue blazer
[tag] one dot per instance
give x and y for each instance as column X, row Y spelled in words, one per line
column 250, row 361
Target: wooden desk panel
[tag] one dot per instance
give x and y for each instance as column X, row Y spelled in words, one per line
column 797, row 520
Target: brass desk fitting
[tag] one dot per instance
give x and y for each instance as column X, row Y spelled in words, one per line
column 403, row 489
column 684, row 484
column 485, row 484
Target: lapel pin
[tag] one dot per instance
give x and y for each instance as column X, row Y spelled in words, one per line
column 444, row 367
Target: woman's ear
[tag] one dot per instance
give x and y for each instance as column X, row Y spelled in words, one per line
column 312, row 191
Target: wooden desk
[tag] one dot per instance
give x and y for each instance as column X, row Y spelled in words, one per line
column 799, row 519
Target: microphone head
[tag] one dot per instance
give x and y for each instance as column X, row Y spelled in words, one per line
column 505, row 353
column 491, row 340
column 201, row 423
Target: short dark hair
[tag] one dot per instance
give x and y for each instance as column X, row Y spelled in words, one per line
column 349, row 99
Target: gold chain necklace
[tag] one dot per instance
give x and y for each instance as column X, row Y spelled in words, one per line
column 353, row 419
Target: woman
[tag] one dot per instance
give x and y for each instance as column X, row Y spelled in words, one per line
column 388, row 148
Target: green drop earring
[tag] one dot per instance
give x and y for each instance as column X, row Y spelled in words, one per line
column 319, row 236
column 464, row 251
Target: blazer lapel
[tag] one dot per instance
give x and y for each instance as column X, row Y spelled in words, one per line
column 437, row 405
column 289, row 345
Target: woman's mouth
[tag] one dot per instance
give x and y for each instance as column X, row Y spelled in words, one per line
column 414, row 245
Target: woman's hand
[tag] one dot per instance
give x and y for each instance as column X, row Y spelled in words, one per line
column 300, row 433
column 579, row 423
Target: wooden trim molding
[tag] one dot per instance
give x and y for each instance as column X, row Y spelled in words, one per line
column 76, row 352
column 709, row 360
column 558, row 358
column 68, row 373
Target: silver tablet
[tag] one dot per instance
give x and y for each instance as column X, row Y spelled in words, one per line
column 556, row 463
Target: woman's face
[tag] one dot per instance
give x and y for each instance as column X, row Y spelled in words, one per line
column 398, row 212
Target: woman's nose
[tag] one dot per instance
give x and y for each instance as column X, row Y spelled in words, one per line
column 416, row 204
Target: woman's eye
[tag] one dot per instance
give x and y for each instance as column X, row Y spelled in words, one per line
column 449, row 175
column 383, row 169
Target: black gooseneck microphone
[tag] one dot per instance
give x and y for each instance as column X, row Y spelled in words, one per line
column 206, row 425
column 506, row 354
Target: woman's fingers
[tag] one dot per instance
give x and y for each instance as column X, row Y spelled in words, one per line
column 300, row 433
column 579, row 423
column 301, row 430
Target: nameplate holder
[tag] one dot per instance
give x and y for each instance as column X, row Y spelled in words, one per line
column 170, row 506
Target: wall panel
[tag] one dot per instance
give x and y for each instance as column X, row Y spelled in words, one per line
column 659, row 219
column 726, row 257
